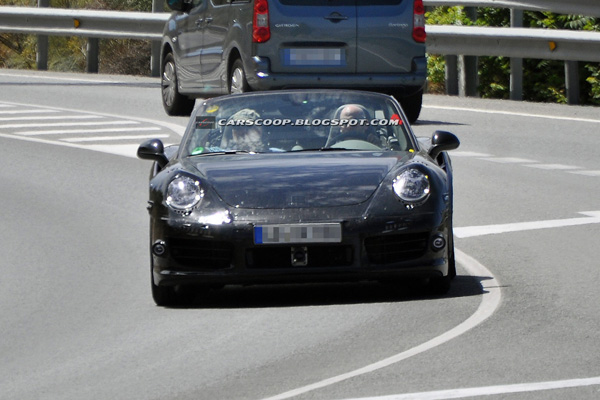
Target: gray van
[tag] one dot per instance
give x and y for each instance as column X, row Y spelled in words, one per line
column 216, row 47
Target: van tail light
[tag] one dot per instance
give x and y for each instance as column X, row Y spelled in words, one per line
column 419, row 22
column 261, row 32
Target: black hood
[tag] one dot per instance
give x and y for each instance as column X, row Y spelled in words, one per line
column 296, row 180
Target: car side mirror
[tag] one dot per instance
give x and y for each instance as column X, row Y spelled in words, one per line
column 442, row 141
column 153, row 150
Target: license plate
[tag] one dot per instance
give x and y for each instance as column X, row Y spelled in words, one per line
column 314, row 57
column 298, row 233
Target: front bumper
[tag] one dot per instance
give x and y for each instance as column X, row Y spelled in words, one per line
column 260, row 77
column 370, row 249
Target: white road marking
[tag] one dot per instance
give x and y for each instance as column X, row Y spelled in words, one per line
column 509, row 160
column 512, row 113
column 585, row 173
column 55, row 124
column 113, row 138
column 489, row 390
column 490, row 300
column 37, row 111
column 557, row 167
column 50, row 117
column 469, row 154
column 70, row 131
column 593, row 217
column 125, row 150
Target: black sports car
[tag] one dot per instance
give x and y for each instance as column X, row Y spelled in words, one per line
column 299, row 186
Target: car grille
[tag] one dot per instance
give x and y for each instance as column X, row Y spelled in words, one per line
column 206, row 254
column 387, row 249
column 270, row 257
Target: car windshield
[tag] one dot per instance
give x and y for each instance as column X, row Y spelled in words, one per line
column 294, row 121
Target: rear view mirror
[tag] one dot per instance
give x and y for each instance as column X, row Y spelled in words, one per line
column 153, row 150
column 442, row 141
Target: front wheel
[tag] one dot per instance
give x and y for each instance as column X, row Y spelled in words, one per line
column 174, row 102
column 237, row 78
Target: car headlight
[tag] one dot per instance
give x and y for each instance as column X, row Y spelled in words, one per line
column 412, row 185
column 183, row 193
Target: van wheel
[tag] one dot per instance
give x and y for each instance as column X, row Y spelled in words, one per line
column 174, row 102
column 412, row 105
column 237, row 78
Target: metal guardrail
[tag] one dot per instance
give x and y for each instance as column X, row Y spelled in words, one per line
column 569, row 46
column 83, row 23
column 545, row 44
column 590, row 8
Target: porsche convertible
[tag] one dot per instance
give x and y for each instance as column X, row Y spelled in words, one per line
column 299, row 186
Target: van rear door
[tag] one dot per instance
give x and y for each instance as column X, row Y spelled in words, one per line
column 384, row 36
column 307, row 36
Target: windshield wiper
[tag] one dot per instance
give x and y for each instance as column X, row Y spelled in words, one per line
column 222, row 153
column 322, row 149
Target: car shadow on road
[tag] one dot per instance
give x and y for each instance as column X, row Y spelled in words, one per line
column 327, row 294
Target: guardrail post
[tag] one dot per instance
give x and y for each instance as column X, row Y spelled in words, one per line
column 41, row 56
column 516, row 64
column 572, row 81
column 92, row 55
column 469, row 78
column 451, row 75
column 157, row 6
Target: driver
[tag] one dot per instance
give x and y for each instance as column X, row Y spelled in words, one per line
column 359, row 130
column 354, row 112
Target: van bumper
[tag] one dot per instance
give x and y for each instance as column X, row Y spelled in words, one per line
column 260, row 77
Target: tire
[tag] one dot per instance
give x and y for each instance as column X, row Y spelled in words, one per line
column 237, row 78
column 451, row 255
column 439, row 286
column 164, row 296
column 174, row 103
column 412, row 105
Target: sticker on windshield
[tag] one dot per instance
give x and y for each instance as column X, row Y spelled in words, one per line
column 205, row 122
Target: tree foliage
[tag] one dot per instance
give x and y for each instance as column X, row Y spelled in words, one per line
column 543, row 80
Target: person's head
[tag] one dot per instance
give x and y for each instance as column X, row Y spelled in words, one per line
column 245, row 135
column 356, row 116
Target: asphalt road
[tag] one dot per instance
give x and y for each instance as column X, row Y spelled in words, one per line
column 78, row 322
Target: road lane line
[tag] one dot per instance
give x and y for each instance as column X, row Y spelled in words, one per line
column 593, row 217
column 490, row 301
column 509, row 160
column 518, row 114
column 469, row 154
column 114, row 138
column 37, row 111
column 50, row 117
column 585, row 173
column 56, row 124
column 70, row 131
column 489, row 390
column 553, row 167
